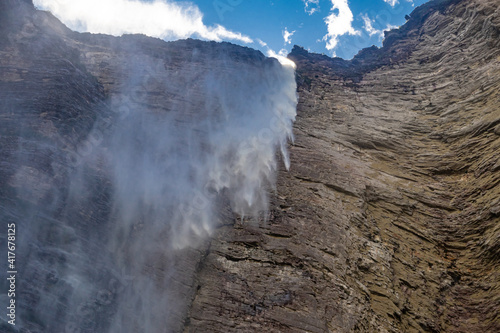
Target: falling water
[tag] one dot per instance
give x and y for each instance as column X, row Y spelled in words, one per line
column 111, row 229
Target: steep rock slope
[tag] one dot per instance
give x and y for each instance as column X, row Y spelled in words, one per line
column 102, row 140
column 388, row 220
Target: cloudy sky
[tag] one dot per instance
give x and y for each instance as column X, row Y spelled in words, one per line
column 333, row 27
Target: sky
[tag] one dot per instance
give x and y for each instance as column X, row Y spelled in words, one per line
column 333, row 27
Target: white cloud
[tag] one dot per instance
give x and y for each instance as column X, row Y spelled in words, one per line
column 339, row 24
column 261, row 42
column 368, row 26
column 287, row 36
column 390, row 27
column 164, row 19
column 393, row 2
column 311, row 6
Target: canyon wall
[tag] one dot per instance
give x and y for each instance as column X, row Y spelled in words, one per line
column 386, row 221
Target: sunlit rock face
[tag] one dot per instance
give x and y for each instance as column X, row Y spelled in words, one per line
column 153, row 189
column 121, row 156
column 388, row 218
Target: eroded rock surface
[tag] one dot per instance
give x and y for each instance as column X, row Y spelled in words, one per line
column 388, row 220
column 93, row 134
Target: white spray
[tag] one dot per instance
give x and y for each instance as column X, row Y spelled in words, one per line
column 218, row 139
column 190, row 138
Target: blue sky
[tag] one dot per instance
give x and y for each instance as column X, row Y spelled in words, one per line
column 333, row 27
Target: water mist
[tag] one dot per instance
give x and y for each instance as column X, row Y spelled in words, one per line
column 178, row 143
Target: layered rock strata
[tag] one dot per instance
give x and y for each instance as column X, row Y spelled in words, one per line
column 388, row 220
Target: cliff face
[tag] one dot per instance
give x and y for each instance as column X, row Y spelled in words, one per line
column 389, row 217
column 387, row 221
column 119, row 158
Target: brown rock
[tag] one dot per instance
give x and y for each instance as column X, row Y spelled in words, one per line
column 386, row 203
column 386, row 222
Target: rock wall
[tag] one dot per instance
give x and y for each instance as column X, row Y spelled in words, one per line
column 388, row 220
column 102, row 140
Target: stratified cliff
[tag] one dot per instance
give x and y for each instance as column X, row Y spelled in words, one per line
column 120, row 156
column 387, row 221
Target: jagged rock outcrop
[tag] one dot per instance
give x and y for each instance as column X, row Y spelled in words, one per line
column 388, row 220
